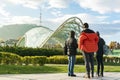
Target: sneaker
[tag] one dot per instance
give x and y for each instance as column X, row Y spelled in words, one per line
column 98, row 75
column 92, row 76
column 86, row 76
column 101, row 75
column 73, row 75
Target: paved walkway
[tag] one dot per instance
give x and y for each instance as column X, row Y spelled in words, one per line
column 58, row 76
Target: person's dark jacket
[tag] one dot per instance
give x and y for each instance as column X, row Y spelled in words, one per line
column 71, row 45
column 100, row 46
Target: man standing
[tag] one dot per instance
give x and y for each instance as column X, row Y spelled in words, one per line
column 99, row 56
column 71, row 50
column 88, row 43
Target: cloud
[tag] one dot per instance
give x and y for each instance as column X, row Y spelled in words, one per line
column 92, row 19
column 34, row 4
column 84, row 17
column 56, row 13
column 101, row 6
column 3, row 12
column 116, row 21
column 20, row 20
column 58, row 3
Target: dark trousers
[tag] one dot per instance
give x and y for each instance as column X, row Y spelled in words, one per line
column 100, row 65
column 89, row 63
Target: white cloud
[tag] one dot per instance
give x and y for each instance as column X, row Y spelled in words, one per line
column 101, row 6
column 116, row 21
column 3, row 12
column 58, row 3
column 57, row 13
column 92, row 19
column 84, row 17
column 20, row 20
column 34, row 4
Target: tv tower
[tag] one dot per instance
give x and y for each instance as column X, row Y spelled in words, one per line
column 40, row 16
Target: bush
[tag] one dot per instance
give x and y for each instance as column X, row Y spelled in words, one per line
column 9, row 58
column 24, row 51
column 79, row 59
column 14, row 59
column 111, row 59
column 57, row 60
column 41, row 60
column 63, row 59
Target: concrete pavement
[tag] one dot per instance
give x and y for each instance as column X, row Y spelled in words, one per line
column 58, row 76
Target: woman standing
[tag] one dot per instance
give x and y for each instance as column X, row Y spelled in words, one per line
column 99, row 56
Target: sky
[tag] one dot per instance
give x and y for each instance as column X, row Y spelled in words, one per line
column 54, row 12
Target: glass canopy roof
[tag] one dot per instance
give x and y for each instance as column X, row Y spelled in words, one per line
column 44, row 37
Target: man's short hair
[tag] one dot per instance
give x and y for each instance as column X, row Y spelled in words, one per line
column 72, row 32
column 85, row 25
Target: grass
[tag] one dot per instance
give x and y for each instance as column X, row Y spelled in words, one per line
column 49, row 68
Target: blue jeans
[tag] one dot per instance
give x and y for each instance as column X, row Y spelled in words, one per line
column 71, row 62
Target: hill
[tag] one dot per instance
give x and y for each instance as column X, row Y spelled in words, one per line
column 15, row 31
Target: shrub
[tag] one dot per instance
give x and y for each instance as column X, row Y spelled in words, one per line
column 24, row 51
column 79, row 59
column 27, row 60
column 41, row 60
column 63, row 59
column 14, row 59
column 57, row 60
column 111, row 59
column 9, row 58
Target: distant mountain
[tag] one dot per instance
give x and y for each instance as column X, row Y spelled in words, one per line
column 15, row 31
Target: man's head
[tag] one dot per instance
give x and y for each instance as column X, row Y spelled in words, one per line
column 72, row 33
column 85, row 26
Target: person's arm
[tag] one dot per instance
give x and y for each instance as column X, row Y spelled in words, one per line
column 103, row 42
column 97, row 39
column 75, row 44
column 81, row 41
column 65, row 48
